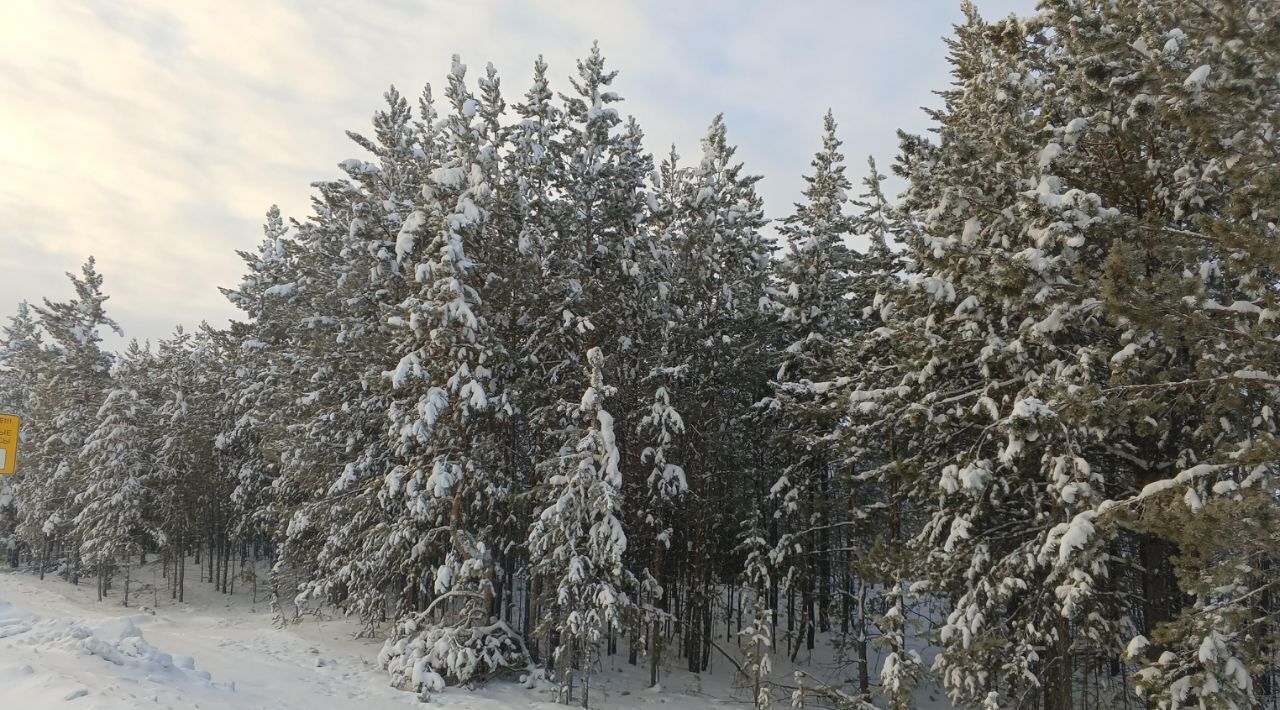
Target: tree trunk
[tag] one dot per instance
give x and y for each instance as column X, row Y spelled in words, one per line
column 181, row 561
column 864, row 681
column 226, row 565
column 1060, row 672
column 811, row 614
column 655, row 652
column 585, row 672
column 1156, row 582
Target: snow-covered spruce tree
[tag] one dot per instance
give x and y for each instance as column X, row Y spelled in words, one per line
column 112, row 520
column 446, row 416
column 660, row 427
column 21, row 349
column 576, row 542
column 759, row 636
column 71, row 376
column 903, row 667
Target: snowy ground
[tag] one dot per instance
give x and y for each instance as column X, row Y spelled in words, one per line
column 57, row 644
column 60, row 648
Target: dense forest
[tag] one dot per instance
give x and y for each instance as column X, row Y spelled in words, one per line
column 516, row 393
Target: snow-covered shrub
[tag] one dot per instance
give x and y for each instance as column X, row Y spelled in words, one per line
column 424, row 654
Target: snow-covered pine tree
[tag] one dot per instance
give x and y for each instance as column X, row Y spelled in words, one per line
column 112, row 521
column 338, row 454
column 817, row 316
column 258, row 379
column 816, row 271
column 874, row 544
column 21, row 350
column 186, row 496
column 447, row 407
column 577, row 542
column 903, row 667
column 539, row 287
column 239, row 454
column 1165, row 114
column 656, row 514
column 1060, row 392
column 1078, row 257
column 621, row 279
column 532, row 170
column 549, row 331
column 71, row 377
column 721, row 334
column 976, row 355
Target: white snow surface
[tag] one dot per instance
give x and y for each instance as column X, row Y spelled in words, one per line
column 60, row 648
column 1197, row 78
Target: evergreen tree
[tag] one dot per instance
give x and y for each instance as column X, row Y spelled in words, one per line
column 338, row 453
column 1179, row 150
column 187, row 500
column 258, row 378
column 446, row 413
column 21, row 349
column 70, row 379
column 577, row 539
column 721, row 336
column 817, row 316
column 617, row 285
column 1027, row 369
column 759, row 635
column 112, row 522
column 1035, row 395
column 903, row 667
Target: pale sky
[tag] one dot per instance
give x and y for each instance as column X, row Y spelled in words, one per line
column 154, row 134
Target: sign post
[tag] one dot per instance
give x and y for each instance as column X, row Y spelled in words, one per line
column 8, row 444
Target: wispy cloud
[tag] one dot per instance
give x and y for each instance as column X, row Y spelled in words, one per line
column 154, row 134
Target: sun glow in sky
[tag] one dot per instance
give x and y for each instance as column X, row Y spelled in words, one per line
column 154, row 134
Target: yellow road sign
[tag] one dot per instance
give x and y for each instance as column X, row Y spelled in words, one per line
column 8, row 444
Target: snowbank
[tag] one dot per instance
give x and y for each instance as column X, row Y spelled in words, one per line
column 47, row 662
